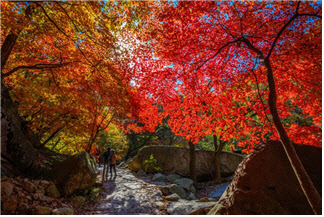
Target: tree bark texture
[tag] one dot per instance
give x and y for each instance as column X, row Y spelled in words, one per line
column 304, row 180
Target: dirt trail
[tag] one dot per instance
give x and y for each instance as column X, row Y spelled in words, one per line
column 127, row 194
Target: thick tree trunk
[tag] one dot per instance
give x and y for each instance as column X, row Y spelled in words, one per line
column 7, row 47
column 304, row 180
column 217, row 153
column 192, row 163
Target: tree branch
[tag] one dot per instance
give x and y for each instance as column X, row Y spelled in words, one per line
column 37, row 66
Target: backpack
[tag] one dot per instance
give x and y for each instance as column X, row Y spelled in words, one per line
column 107, row 156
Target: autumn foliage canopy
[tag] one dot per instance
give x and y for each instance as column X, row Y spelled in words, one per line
column 77, row 67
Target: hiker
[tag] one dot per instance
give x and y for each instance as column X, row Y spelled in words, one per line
column 98, row 154
column 235, row 150
column 113, row 163
column 106, row 159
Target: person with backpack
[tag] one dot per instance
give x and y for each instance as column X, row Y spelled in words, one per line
column 113, row 163
column 106, row 159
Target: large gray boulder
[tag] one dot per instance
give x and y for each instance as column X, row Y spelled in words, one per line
column 76, row 173
column 265, row 184
column 176, row 160
column 185, row 183
column 186, row 207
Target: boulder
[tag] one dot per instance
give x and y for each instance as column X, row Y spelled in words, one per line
column 191, row 196
column 166, row 190
column 202, row 211
column 9, row 203
column 41, row 210
column 63, row 211
column 193, row 189
column 176, row 160
column 6, row 188
column 158, row 177
column 174, row 188
column 29, row 186
column 185, row 183
column 172, row 177
column 265, row 184
column 52, row 191
column 173, row 197
column 76, row 173
column 159, row 183
column 141, row 173
column 78, row 201
column 204, row 199
column 186, row 207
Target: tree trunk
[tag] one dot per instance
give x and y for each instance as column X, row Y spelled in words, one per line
column 192, row 163
column 217, row 153
column 7, row 47
column 50, row 138
column 305, row 182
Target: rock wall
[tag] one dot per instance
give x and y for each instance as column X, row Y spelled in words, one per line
column 17, row 152
column 176, row 160
column 265, row 184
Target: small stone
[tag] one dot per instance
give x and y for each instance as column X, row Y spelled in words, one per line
column 191, row 196
column 40, row 191
column 6, row 188
column 157, row 194
column 9, row 203
column 28, row 186
column 22, row 207
column 49, row 199
column 35, row 196
column 78, row 201
column 141, row 172
column 66, row 205
column 20, row 194
column 63, row 211
column 36, row 182
column 178, row 190
column 41, row 210
column 166, row 190
column 172, row 177
column 17, row 189
column 204, row 199
column 44, row 182
column 52, row 191
column 41, row 196
column 172, row 197
column 16, row 183
column 158, row 177
column 159, row 203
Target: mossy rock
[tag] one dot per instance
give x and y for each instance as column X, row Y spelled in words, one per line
column 75, row 174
